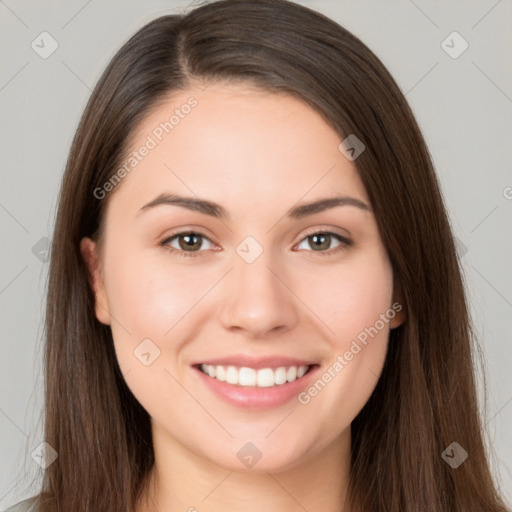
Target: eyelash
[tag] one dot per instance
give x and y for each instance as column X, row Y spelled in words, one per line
column 345, row 243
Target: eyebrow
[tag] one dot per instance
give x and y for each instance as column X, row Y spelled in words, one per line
column 216, row 210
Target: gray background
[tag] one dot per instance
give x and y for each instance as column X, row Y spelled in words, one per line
column 463, row 106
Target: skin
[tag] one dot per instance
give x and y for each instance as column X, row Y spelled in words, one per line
column 257, row 154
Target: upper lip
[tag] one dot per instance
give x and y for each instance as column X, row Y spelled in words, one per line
column 243, row 360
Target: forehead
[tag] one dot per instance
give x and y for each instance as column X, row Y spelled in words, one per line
column 235, row 143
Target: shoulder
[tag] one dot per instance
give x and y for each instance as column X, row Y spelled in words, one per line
column 28, row 505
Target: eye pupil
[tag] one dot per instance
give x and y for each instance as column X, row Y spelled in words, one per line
column 188, row 243
column 322, row 245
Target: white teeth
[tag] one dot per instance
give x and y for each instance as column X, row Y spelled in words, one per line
column 301, row 371
column 232, row 375
column 247, row 376
column 280, row 375
column 266, row 378
column 291, row 373
column 221, row 373
column 262, row 378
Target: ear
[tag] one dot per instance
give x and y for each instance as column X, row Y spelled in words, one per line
column 398, row 305
column 89, row 251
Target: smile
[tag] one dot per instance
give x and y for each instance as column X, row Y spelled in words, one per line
column 261, row 378
column 256, row 389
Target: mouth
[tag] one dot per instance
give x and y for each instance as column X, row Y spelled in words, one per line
column 245, row 376
column 255, row 389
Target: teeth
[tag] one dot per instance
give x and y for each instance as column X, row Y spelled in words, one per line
column 280, row 375
column 263, row 378
column 231, row 375
column 301, row 371
column 291, row 373
column 221, row 373
column 247, row 376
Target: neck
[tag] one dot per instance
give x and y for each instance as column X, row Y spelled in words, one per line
column 183, row 481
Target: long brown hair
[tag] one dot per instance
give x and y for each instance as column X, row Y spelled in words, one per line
column 420, row 404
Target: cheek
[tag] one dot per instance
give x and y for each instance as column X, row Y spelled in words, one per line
column 350, row 297
column 152, row 303
column 149, row 296
column 356, row 306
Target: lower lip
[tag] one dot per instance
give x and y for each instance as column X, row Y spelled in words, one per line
column 254, row 398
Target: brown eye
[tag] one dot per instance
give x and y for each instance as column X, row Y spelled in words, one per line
column 321, row 241
column 189, row 243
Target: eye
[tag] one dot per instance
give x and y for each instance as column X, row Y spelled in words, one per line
column 189, row 243
column 322, row 239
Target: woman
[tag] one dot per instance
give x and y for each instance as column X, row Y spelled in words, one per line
column 254, row 297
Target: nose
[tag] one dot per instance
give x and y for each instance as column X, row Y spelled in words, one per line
column 257, row 299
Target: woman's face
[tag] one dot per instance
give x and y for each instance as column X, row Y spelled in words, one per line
column 257, row 293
